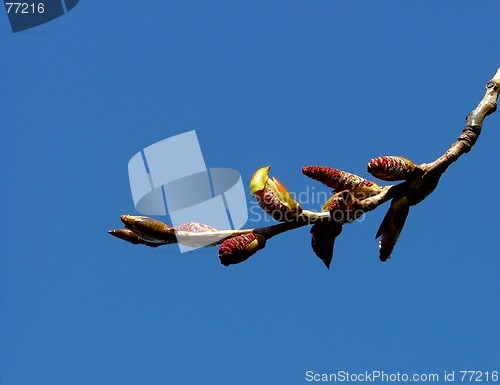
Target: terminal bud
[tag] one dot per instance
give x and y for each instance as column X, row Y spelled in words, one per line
column 126, row 235
column 391, row 168
column 149, row 229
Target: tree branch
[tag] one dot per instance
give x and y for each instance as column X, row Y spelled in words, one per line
column 352, row 196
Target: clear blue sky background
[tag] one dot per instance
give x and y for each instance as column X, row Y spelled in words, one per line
column 287, row 84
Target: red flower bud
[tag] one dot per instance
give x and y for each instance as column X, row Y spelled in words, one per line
column 391, row 168
column 342, row 180
column 239, row 249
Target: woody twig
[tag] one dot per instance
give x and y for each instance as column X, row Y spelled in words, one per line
column 352, row 197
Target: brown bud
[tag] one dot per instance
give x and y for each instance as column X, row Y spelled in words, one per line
column 392, row 168
column 239, row 249
column 422, row 189
column 149, row 229
column 342, row 180
column 130, row 236
column 344, row 207
column 126, row 235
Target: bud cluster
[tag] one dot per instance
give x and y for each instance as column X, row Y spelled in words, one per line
column 352, row 197
column 152, row 232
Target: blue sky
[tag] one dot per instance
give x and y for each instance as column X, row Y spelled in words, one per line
column 286, row 84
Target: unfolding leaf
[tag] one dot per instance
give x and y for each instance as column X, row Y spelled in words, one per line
column 259, row 180
column 391, row 226
column 323, row 240
column 273, row 197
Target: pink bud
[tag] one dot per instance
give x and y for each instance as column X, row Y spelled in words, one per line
column 342, row 180
column 238, row 249
column 391, row 168
column 195, row 227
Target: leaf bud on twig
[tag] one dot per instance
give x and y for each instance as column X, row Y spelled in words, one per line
column 126, row 235
column 273, row 197
column 342, row 180
column 149, row 229
column 239, row 249
column 344, row 207
column 392, row 168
